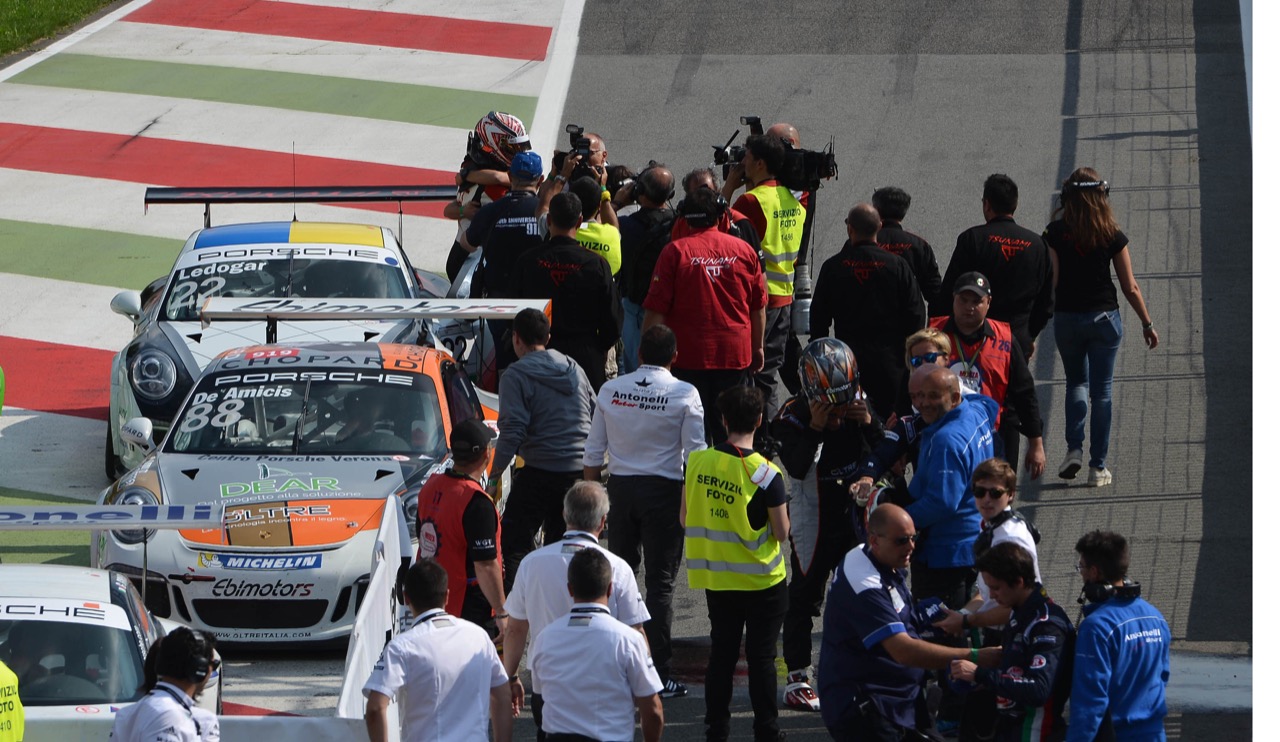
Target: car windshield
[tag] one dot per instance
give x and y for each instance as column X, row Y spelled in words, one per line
column 68, row 664
column 301, row 277
column 311, row 412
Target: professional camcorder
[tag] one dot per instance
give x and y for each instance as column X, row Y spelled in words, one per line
column 578, row 145
column 803, row 169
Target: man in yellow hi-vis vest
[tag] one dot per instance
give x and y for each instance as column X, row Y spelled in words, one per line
column 12, row 717
column 778, row 218
column 735, row 518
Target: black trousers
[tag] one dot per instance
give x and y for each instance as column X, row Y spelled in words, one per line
column 536, row 501
column 954, row 586
column 709, row 383
column 644, row 520
column 760, row 612
column 808, row 588
column 777, row 326
column 867, row 724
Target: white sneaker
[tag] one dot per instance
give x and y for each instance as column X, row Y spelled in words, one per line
column 1071, row 464
column 1099, row 477
column 799, row 694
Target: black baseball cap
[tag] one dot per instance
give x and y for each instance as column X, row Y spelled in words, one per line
column 470, row 439
column 975, row 282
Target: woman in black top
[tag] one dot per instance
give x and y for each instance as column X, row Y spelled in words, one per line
column 1084, row 242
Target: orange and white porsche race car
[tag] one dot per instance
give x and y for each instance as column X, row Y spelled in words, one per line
column 301, row 444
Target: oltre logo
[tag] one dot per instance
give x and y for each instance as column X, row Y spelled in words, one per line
column 278, row 481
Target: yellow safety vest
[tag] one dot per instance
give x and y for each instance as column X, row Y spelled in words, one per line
column 781, row 238
column 603, row 240
column 724, row 552
column 12, row 717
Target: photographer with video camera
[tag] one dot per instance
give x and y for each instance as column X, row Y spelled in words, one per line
column 778, row 218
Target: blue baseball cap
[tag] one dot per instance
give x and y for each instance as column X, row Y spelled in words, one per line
column 526, row 166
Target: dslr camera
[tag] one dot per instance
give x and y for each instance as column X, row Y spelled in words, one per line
column 578, row 145
column 802, row 170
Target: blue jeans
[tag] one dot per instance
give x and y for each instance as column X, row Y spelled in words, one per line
column 632, row 320
column 1088, row 343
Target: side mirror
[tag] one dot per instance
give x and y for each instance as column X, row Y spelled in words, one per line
column 138, row 432
column 128, row 303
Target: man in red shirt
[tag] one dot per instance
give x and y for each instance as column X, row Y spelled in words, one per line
column 708, row 287
column 458, row 527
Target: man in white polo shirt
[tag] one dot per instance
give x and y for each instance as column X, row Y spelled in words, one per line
column 538, row 596
column 649, row 421
column 622, row 676
column 447, row 668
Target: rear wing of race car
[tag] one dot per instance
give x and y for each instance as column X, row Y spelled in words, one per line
column 295, row 195
column 295, row 309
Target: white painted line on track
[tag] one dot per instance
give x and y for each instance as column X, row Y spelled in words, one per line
column 63, row 312
column 496, row 11
column 252, row 127
column 70, row 39
column 545, row 131
column 49, row 453
column 179, row 44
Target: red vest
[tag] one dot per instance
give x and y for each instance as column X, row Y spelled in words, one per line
column 984, row 365
column 441, row 503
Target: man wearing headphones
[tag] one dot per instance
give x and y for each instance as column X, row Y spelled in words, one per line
column 184, row 665
column 1122, row 650
column 709, row 289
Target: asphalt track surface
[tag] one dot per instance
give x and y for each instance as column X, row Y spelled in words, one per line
column 933, row 97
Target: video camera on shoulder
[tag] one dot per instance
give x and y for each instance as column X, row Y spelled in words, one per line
column 579, row 145
column 803, row 169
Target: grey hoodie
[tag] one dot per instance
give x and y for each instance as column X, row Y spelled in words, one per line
column 545, row 404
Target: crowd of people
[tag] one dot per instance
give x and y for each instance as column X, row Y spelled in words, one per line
column 672, row 405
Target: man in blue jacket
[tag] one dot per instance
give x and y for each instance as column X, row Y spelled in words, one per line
column 1122, row 650
column 958, row 435
column 956, row 438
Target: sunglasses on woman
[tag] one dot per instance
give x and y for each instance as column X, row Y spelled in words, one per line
column 920, row 360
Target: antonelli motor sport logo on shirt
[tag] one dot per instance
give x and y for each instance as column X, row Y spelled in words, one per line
column 259, row 562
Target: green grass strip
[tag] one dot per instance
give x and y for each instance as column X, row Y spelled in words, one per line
column 24, row 22
column 389, row 101
column 85, row 255
column 42, row 547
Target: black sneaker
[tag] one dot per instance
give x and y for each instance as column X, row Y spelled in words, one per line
column 672, row 689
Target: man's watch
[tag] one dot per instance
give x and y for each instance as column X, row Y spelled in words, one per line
column 964, row 617
column 1148, row 325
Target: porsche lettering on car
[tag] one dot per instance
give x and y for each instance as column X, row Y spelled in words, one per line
column 153, row 373
column 77, row 638
column 300, row 452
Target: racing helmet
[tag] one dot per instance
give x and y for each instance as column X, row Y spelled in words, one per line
column 500, row 136
column 828, row 371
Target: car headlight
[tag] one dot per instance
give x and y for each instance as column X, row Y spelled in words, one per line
column 410, row 504
column 135, row 496
column 153, row 374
